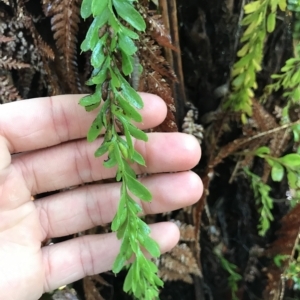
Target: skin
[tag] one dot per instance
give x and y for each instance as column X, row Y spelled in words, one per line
column 42, row 149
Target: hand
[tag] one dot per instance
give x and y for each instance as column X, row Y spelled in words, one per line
column 43, row 148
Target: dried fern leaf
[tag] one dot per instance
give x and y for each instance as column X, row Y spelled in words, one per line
column 9, row 63
column 159, row 32
column 25, row 82
column 179, row 264
column 157, row 73
column 44, row 48
column 187, row 231
column 8, row 91
column 65, row 19
column 288, row 238
column 6, row 39
column 91, row 290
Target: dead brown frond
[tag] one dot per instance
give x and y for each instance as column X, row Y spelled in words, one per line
column 179, row 264
column 159, row 32
column 92, row 285
column 8, row 91
column 9, row 63
column 262, row 130
column 190, row 126
column 285, row 244
column 157, row 74
column 64, row 20
column 6, row 39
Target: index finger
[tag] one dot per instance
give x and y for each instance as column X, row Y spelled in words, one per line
column 44, row 122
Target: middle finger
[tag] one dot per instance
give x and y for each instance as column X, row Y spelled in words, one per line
column 74, row 163
column 92, row 205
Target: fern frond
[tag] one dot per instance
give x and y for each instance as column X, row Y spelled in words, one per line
column 65, row 19
column 9, row 63
column 8, row 91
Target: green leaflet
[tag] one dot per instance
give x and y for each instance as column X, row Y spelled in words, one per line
column 151, row 246
column 101, row 76
column 131, row 95
column 262, row 151
column 291, row 160
column 129, row 14
column 90, row 99
column 129, row 32
column 91, row 39
column 127, row 64
column 137, row 133
column 98, row 56
column 119, row 263
column 138, row 158
column 277, row 172
column 102, row 149
column 128, row 169
column 138, row 189
column 95, row 129
column 135, row 209
column 121, row 215
column 271, row 22
column 129, row 109
column 128, row 138
column 144, row 228
column 98, row 7
column 128, row 280
column 126, row 44
column 86, row 9
column 292, row 179
column 110, row 162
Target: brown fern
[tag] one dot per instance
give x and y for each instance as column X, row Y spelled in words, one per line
column 287, row 239
column 64, row 21
column 157, row 73
column 8, row 91
column 90, row 287
column 180, row 263
column 9, row 63
column 6, row 39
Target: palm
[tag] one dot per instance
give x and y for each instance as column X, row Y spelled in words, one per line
column 20, row 239
column 48, row 135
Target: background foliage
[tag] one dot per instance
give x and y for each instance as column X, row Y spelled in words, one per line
column 241, row 82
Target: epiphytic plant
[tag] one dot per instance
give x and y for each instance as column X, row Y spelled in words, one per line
column 111, row 38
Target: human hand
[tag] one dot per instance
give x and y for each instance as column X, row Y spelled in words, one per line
column 43, row 148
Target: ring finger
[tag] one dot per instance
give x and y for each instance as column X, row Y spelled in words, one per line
column 86, row 207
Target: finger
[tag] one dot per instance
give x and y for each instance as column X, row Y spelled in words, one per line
column 72, row 260
column 43, row 122
column 89, row 206
column 74, row 163
column 5, row 158
column 13, row 192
